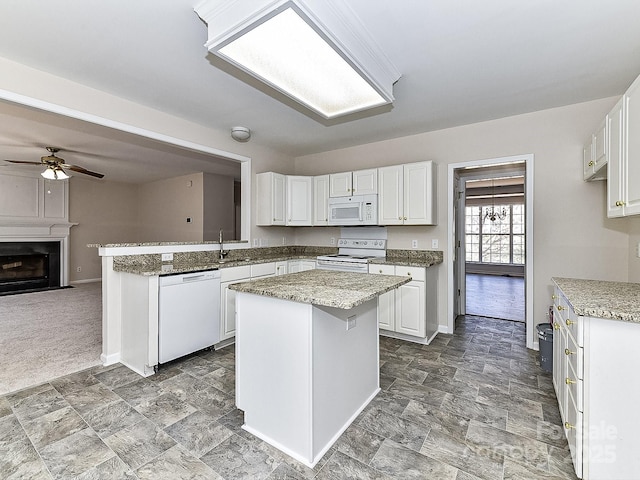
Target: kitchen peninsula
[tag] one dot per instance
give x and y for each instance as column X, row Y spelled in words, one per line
column 307, row 358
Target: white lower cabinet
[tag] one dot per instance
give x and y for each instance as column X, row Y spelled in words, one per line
column 228, row 298
column 410, row 310
column 595, row 377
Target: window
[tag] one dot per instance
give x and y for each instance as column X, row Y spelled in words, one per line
column 499, row 241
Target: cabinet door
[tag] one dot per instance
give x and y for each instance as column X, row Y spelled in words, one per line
column 271, row 190
column 365, row 182
column 391, row 195
column 340, row 184
column 299, row 200
column 614, row 166
column 631, row 172
column 600, row 146
column 321, row 200
column 294, row 266
column 281, row 268
column 419, row 194
column 587, row 160
column 410, row 309
column 307, row 265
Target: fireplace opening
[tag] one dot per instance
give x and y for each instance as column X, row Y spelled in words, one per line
column 29, row 266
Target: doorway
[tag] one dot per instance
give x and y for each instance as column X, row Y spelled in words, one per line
column 490, row 233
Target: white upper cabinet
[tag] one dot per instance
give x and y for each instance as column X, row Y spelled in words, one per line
column 321, row 200
column 270, row 199
column 407, row 194
column 623, row 167
column 299, row 201
column 595, row 154
column 360, row 182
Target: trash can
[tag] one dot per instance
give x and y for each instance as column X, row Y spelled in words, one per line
column 545, row 343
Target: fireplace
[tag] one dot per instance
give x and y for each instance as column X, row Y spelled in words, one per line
column 29, row 266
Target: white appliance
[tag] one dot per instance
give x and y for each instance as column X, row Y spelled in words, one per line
column 354, row 210
column 189, row 313
column 353, row 255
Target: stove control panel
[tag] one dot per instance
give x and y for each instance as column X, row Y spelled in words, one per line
column 362, row 243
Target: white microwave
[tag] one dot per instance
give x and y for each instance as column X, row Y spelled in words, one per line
column 354, row 210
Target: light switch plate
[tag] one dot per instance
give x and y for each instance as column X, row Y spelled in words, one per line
column 434, row 243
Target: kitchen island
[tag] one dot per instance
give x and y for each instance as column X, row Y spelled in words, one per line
column 307, row 358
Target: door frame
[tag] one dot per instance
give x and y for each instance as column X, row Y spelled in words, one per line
column 528, row 160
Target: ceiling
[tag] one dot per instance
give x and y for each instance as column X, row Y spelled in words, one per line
column 461, row 61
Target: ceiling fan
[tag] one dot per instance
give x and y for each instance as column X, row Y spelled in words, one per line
column 55, row 165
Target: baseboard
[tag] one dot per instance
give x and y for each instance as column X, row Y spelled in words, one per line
column 88, row 280
column 443, row 329
column 109, row 359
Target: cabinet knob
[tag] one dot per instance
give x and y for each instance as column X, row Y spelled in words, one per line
column 590, row 163
column 568, row 426
column 569, row 322
column 404, row 218
column 556, row 326
column 619, row 203
column 409, row 273
column 568, row 352
column 560, row 307
column 553, row 297
column 379, row 271
column 399, row 218
column 568, row 381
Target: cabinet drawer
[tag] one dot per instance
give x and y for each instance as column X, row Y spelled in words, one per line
column 416, row 273
column 262, row 269
column 575, row 356
column 575, row 387
column 382, row 269
column 235, row 273
column 575, row 325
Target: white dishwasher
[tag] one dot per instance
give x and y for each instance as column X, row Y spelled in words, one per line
column 189, row 313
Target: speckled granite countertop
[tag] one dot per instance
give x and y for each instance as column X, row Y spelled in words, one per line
column 595, row 298
column 185, row 262
column 322, row 287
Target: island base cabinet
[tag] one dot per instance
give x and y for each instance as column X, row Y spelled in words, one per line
column 302, row 377
column 594, row 374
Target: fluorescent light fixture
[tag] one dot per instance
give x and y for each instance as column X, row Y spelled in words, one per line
column 314, row 51
column 54, row 173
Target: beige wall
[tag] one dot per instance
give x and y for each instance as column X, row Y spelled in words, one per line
column 634, row 239
column 218, row 207
column 165, row 205
column 572, row 236
column 106, row 212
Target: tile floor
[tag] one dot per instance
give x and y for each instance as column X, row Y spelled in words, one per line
column 473, row 405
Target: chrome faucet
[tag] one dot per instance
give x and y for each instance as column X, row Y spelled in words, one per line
column 222, row 253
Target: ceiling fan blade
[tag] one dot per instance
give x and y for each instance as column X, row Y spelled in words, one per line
column 76, row 168
column 23, row 161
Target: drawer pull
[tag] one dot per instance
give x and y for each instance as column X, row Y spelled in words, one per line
column 568, row 352
column 553, row 297
column 568, row 381
column 556, row 326
column 379, row 271
column 568, row 426
column 569, row 322
column 560, row 307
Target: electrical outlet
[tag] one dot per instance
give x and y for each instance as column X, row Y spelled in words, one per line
column 434, row 243
column 351, row 322
column 167, row 257
column 414, row 243
column 284, row 240
column 78, row 269
column 256, row 242
column 332, row 241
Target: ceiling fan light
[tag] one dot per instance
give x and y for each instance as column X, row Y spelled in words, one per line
column 61, row 174
column 49, row 174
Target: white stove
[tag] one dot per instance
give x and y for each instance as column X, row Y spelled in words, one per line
column 353, row 255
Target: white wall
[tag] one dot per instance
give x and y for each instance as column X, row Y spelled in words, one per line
column 572, row 236
column 634, row 239
column 218, row 206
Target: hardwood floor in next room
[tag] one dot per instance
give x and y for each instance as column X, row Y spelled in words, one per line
column 495, row 296
column 473, row 405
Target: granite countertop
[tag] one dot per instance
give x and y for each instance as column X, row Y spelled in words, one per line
column 602, row 299
column 343, row 290
column 190, row 265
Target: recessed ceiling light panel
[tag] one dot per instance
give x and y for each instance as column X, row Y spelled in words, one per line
column 315, row 52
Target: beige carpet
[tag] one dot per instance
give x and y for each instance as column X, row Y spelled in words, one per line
column 44, row 335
